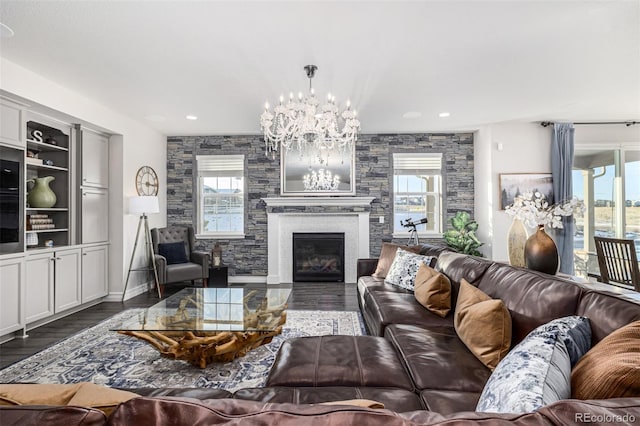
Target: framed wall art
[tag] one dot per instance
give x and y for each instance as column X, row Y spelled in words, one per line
column 317, row 172
column 514, row 184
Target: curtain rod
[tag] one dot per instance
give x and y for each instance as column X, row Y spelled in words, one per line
column 626, row 123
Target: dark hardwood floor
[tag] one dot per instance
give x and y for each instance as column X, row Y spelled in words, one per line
column 304, row 296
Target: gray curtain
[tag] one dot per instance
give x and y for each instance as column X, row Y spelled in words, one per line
column 561, row 168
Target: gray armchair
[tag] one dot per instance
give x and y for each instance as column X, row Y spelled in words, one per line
column 180, row 262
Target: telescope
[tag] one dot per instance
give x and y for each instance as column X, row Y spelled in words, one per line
column 409, row 224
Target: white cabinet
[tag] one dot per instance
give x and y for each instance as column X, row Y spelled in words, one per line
column 10, row 119
column 95, row 262
column 11, row 284
column 39, row 284
column 95, row 160
column 67, row 279
column 95, row 215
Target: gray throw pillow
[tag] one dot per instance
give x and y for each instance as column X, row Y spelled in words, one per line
column 403, row 269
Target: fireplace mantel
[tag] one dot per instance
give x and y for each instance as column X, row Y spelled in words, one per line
column 348, row 215
column 318, row 201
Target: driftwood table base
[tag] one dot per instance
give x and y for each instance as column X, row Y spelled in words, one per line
column 203, row 348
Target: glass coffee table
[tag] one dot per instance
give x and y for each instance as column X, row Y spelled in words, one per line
column 205, row 325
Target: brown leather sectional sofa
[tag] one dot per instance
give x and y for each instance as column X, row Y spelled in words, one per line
column 412, row 362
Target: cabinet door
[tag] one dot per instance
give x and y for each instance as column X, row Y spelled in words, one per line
column 39, row 279
column 11, row 124
column 95, row 160
column 67, row 279
column 11, row 282
column 94, row 272
column 95, row 215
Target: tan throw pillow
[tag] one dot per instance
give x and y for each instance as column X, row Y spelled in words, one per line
column 483, row 324
column 433, row 290
column 387, row 254
column 611, row 369
column 366, row 403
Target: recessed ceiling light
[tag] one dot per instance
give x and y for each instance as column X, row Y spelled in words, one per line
column 5, row 31
column 191, row 117
column 412, row 114
column 444, row 114
column 156, row 118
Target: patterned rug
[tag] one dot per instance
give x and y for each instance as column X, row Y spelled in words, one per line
column 106, row 357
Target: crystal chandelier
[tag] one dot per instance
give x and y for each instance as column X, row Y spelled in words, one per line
column 320, row 181
column 304, row 124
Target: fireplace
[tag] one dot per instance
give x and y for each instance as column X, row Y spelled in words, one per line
column 318, row 256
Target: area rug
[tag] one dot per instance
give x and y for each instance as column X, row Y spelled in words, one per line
column 106, row 357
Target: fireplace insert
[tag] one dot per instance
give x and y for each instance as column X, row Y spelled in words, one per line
column 318, row 257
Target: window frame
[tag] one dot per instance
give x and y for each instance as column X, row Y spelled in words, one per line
column 199, row 199
column 439, row 196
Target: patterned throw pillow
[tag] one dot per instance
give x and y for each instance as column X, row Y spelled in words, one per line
column 404, row 268
column 575, row 331
column 387, row 254
column 537, row 372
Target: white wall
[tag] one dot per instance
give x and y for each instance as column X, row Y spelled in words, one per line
column 134, row 145
column 504, row 148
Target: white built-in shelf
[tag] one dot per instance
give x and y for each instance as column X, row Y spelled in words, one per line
column 42, row 231
column 41, row 146
column 44, row 166
column 49, row 209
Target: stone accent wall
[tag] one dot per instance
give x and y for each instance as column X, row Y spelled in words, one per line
column 373, row 163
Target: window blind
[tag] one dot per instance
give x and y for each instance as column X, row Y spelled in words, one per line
column 417, row 163
column 220, row 165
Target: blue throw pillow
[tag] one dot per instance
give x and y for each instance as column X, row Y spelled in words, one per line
column 537, row 372
column 173, row 252
column 404, row 268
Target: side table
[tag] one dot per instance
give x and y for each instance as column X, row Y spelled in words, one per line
column 218, row 276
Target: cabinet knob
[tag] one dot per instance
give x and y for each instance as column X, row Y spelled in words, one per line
column 84, row 194
column 84, row 254
column 58, row 258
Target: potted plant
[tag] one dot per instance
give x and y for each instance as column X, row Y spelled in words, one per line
column 463, row 235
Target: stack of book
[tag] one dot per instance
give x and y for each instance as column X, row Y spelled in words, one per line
column 39, row 222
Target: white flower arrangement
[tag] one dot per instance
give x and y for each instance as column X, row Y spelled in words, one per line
column 533, row 209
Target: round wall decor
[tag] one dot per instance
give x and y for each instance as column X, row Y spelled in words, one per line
column 147, row 181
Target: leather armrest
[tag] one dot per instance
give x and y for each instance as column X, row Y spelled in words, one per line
column 161, row 267
column 366, row 267
column 201, row 258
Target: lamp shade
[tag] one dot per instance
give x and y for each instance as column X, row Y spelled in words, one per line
column 148, row 204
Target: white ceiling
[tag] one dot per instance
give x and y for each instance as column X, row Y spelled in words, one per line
column 482, row 61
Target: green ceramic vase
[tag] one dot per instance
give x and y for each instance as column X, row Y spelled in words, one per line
column 41, row 196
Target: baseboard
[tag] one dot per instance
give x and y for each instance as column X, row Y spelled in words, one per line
column 131, row 292
column 247, row 279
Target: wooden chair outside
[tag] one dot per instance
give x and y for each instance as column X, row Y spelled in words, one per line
column 618, row 261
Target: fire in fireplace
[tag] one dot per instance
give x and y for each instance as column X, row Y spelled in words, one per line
column 318, row 256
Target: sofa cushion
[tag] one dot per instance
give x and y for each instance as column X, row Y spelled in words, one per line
column 449, row 402
column 338, row 361
column 483, row 324
column 433, row 290
column 611, row 369
column 608, row 311
column 436, row 358
column 394, row 399
column 537, row 372
column 387, row 254
column 384, row 308
column 533, row 298
column 174, row 252
column 457, row 266
column 404, row 268
column 37, row 415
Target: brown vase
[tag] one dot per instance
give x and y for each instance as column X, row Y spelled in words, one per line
column 541, row 253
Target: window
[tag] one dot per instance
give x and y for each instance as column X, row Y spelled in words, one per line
column 607, row 180
column 221, row 196
column 417, row 192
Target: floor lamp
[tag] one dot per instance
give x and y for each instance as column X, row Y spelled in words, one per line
column 142, row 206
